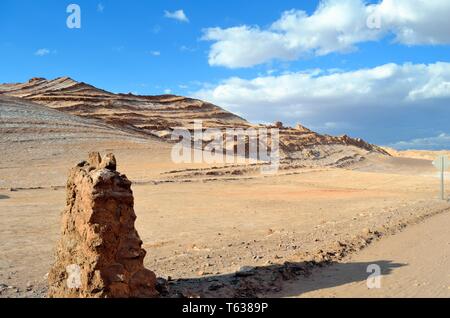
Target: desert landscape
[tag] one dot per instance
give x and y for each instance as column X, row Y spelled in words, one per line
column 336, row 204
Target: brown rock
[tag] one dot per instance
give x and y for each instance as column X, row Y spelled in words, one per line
column 36, row 79
column 302, row 128
column 94, row 160
column 109, row 162
column 99, row 253
column 278, row 124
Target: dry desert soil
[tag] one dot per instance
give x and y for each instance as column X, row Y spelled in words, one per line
column 200, row 231
column 335, row 206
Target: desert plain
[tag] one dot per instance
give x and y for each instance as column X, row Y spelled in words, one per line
column 218, row 230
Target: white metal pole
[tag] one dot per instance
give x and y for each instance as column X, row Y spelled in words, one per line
column 442, row 178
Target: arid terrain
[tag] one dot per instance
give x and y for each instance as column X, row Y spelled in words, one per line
column 215, row 230
column 413, row 263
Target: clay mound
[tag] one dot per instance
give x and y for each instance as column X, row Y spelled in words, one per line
column 99, row 254
column 155, row 115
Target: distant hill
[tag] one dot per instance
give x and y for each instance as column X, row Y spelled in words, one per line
column 159, row 115
column 144, row 114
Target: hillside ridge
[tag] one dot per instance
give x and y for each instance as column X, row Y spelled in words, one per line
column 159, row 115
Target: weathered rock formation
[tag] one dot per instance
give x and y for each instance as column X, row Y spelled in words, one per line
column 99, row 253
column 145, row 116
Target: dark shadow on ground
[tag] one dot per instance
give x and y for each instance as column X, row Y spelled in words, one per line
column 337, row 274
column 2, row 196
column 271, row 280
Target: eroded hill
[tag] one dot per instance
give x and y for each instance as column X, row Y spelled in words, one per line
column 159, row 115
column 155, row 115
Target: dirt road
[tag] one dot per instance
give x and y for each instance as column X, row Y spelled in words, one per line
column 414, row 263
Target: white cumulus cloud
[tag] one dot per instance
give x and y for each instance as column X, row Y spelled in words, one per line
column 177, row 15
column 312, row 90
column 42, row 52
column 390, row 102
column 335, row 26
column 439, row 142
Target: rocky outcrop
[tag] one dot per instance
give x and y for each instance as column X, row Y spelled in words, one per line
column 300, row 138
column 99, row 254
column 358, row 142
column 302, row 128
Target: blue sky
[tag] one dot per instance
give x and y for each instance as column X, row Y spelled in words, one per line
column 265, row 60
column 113, row 48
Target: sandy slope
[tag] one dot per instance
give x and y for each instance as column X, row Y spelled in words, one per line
column 414, row 263
column 39, row 144
column 418, row 154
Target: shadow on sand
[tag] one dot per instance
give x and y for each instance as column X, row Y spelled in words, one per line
column 272, row 280
column 335, row 275
column 2, row 196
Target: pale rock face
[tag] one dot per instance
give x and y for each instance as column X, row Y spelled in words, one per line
column 99, row 242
